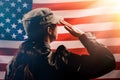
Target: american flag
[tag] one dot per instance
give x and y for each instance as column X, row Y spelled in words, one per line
column 98, row 16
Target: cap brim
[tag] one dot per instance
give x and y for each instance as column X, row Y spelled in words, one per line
column 56, row 19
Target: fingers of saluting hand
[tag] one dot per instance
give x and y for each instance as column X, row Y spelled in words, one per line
column 73, row 30
column 67, row 25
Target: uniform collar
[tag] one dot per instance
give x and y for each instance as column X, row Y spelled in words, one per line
column 40, row 45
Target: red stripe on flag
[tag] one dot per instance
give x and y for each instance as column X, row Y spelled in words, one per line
column 117, row 66
column 83, row 51
column 107, row 34
column 8, row 51
column 3, row 67
column 90, row 19
column 98, row 35
column 65, row 6
column 114, row 49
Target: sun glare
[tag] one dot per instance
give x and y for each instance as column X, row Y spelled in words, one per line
column 114, row 7
column 111, row 7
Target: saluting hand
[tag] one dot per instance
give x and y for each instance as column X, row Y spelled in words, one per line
column 72, row 29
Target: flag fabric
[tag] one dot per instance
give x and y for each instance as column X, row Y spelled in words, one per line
column 98, row 16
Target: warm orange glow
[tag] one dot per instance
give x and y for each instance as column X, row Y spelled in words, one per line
column 114, row 7
column 111, row 7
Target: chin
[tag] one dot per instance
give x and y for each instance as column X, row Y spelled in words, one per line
column 53, row 39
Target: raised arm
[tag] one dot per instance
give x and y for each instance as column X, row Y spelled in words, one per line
column 99, row 62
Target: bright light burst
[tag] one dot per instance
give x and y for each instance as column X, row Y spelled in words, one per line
column 114, row 7
column 111, row 7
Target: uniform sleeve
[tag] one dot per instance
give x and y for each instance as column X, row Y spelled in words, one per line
column 99, row 62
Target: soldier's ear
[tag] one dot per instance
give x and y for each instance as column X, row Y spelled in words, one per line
column 49, row 30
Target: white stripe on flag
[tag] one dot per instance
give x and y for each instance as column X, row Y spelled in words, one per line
column 117, row 57
column 5, row 59
column 9, row 44
column 91, row 27
column 112, row 74
column 2, row 75
column 85, row 12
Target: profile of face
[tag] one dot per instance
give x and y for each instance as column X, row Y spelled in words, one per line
column 52, row 30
